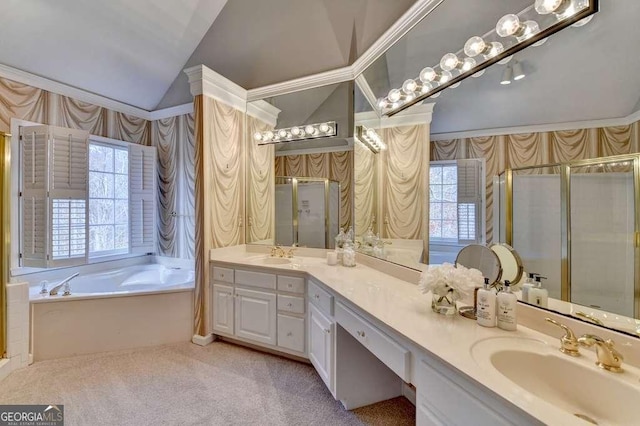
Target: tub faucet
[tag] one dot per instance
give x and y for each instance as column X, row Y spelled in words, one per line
column 608, row 357
column 65, row 282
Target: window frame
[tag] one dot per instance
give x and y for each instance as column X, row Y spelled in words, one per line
column 440, row 240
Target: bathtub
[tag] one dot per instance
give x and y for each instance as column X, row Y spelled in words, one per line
column 150, row 278
column 114, row 309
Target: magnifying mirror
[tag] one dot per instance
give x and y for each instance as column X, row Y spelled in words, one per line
column 510, row 261
column 486, row 261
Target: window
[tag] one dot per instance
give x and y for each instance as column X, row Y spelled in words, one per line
column 108, row 199
column 456, row 197
column 82, row 197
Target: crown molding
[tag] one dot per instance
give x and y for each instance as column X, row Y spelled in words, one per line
column 407, row 21
column 539, row 128
column 53, row 86
column 160, row 114
column 366, row 90
column 339, row 75
column 414, row 116
column 205, row 81
column 264, row 111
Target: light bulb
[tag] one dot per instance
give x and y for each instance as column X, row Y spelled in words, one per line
column 478, row 74
column 394, row 95
column 505, row 60
column 468, row 64
column 474, row 46
column 324, row 128
column 495, row 49
column 268, row 135
column 445, row 76
column 544, row 7
column 295, row 131
column 508, row 25
column 409, row 86
column 371, row 133
column 449, row 62
column 310, row 130
column 282, row 133
column 382, row 103
column 530, row 28
column 428, row 75
column 257, row 136
column 409, row 98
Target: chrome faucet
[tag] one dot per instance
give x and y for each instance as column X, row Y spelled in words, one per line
column 608, row 357
column 568, row 343
column 65, row 283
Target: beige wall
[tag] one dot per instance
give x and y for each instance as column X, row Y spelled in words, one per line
column 529, row 149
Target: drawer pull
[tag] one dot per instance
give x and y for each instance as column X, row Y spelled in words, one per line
column 290, row 285
column 222, row 275
column 317, row 296
column 328, row 331
column 289, row 304
column 360, row 333
column 289, row 334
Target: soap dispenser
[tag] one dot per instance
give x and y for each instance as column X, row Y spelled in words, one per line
column 527, row 286
column 538, row 295
column 507, row 304
column 486, row 306
column 340, row 239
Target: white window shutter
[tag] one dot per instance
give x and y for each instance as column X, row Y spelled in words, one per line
column 469, row 200
column 142, row 200
column 53, row 199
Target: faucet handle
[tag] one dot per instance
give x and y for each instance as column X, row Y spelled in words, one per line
column 568, row 343
column 290, row 252
column 608, row 357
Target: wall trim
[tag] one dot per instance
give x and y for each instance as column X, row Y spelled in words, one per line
column 204, row 81
column 202, row 340
column 159, row 114
column 538, row 128
column 263, row 111
column 339, row 75
column 414, row 116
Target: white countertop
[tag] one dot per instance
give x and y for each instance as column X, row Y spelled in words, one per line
column 403, row 308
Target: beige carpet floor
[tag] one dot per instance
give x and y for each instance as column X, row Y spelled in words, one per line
column 185, row 384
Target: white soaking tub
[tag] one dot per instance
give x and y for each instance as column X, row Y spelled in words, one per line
column 121, row 308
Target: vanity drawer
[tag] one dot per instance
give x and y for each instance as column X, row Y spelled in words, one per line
column 291, row 284
column 291, row 333
column 291, row 304
column 395, row 356
column 320, row 298
column 256, row 279
column 223, row 274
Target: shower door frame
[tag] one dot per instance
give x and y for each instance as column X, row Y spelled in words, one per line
column 5, row 234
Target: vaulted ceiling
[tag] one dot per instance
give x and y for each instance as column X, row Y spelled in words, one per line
column 134, row 51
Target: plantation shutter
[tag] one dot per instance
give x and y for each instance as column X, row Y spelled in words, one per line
column 53, row 199
column 469, row 200
column 142, row 176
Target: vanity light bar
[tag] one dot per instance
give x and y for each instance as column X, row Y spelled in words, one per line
column 370, row 139
column 297, row 133
column 511, row 34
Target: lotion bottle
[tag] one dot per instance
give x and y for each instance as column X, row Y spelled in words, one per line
column 527, row 286
column 486, row 306
column 539, row 296
column 507, row 303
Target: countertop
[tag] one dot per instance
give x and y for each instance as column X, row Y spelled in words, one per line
column 404, row 309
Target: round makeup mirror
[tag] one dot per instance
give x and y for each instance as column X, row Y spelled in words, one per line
column 481, row 258
column 510, row 261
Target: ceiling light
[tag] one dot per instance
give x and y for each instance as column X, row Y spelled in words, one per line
column 370, row 139
column 296, row 133
column 518, row 71
column 544, row 7
column 507, row 75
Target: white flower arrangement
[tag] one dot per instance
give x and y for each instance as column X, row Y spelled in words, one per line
column 447, row 280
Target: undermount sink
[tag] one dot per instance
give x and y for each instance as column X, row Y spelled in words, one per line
column 575, row 385
column 276, row 260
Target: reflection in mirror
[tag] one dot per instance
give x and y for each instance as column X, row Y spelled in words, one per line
column 483, row 259
column 281, row 145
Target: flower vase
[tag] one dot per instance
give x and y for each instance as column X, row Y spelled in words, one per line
column 444, row 305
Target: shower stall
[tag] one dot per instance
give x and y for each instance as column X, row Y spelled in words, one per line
column 307, row 211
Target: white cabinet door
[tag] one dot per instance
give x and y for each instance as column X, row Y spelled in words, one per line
column 222, row 309
column 255, row 316
column 321, row 345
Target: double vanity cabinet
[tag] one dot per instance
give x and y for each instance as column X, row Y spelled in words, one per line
column 303, row 312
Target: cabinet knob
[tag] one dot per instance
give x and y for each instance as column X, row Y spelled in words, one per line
column 289, row 305
column 317, row 296
column 326, row 330
column 289, row 334
column 290, row 285
column 360, row 333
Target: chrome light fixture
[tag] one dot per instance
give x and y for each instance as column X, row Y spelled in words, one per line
column 507, row 75
column 512, row 33
column 370, row 139
column 297, row 133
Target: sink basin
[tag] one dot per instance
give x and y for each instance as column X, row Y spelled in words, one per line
column 574, row 385
column 276, row 260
